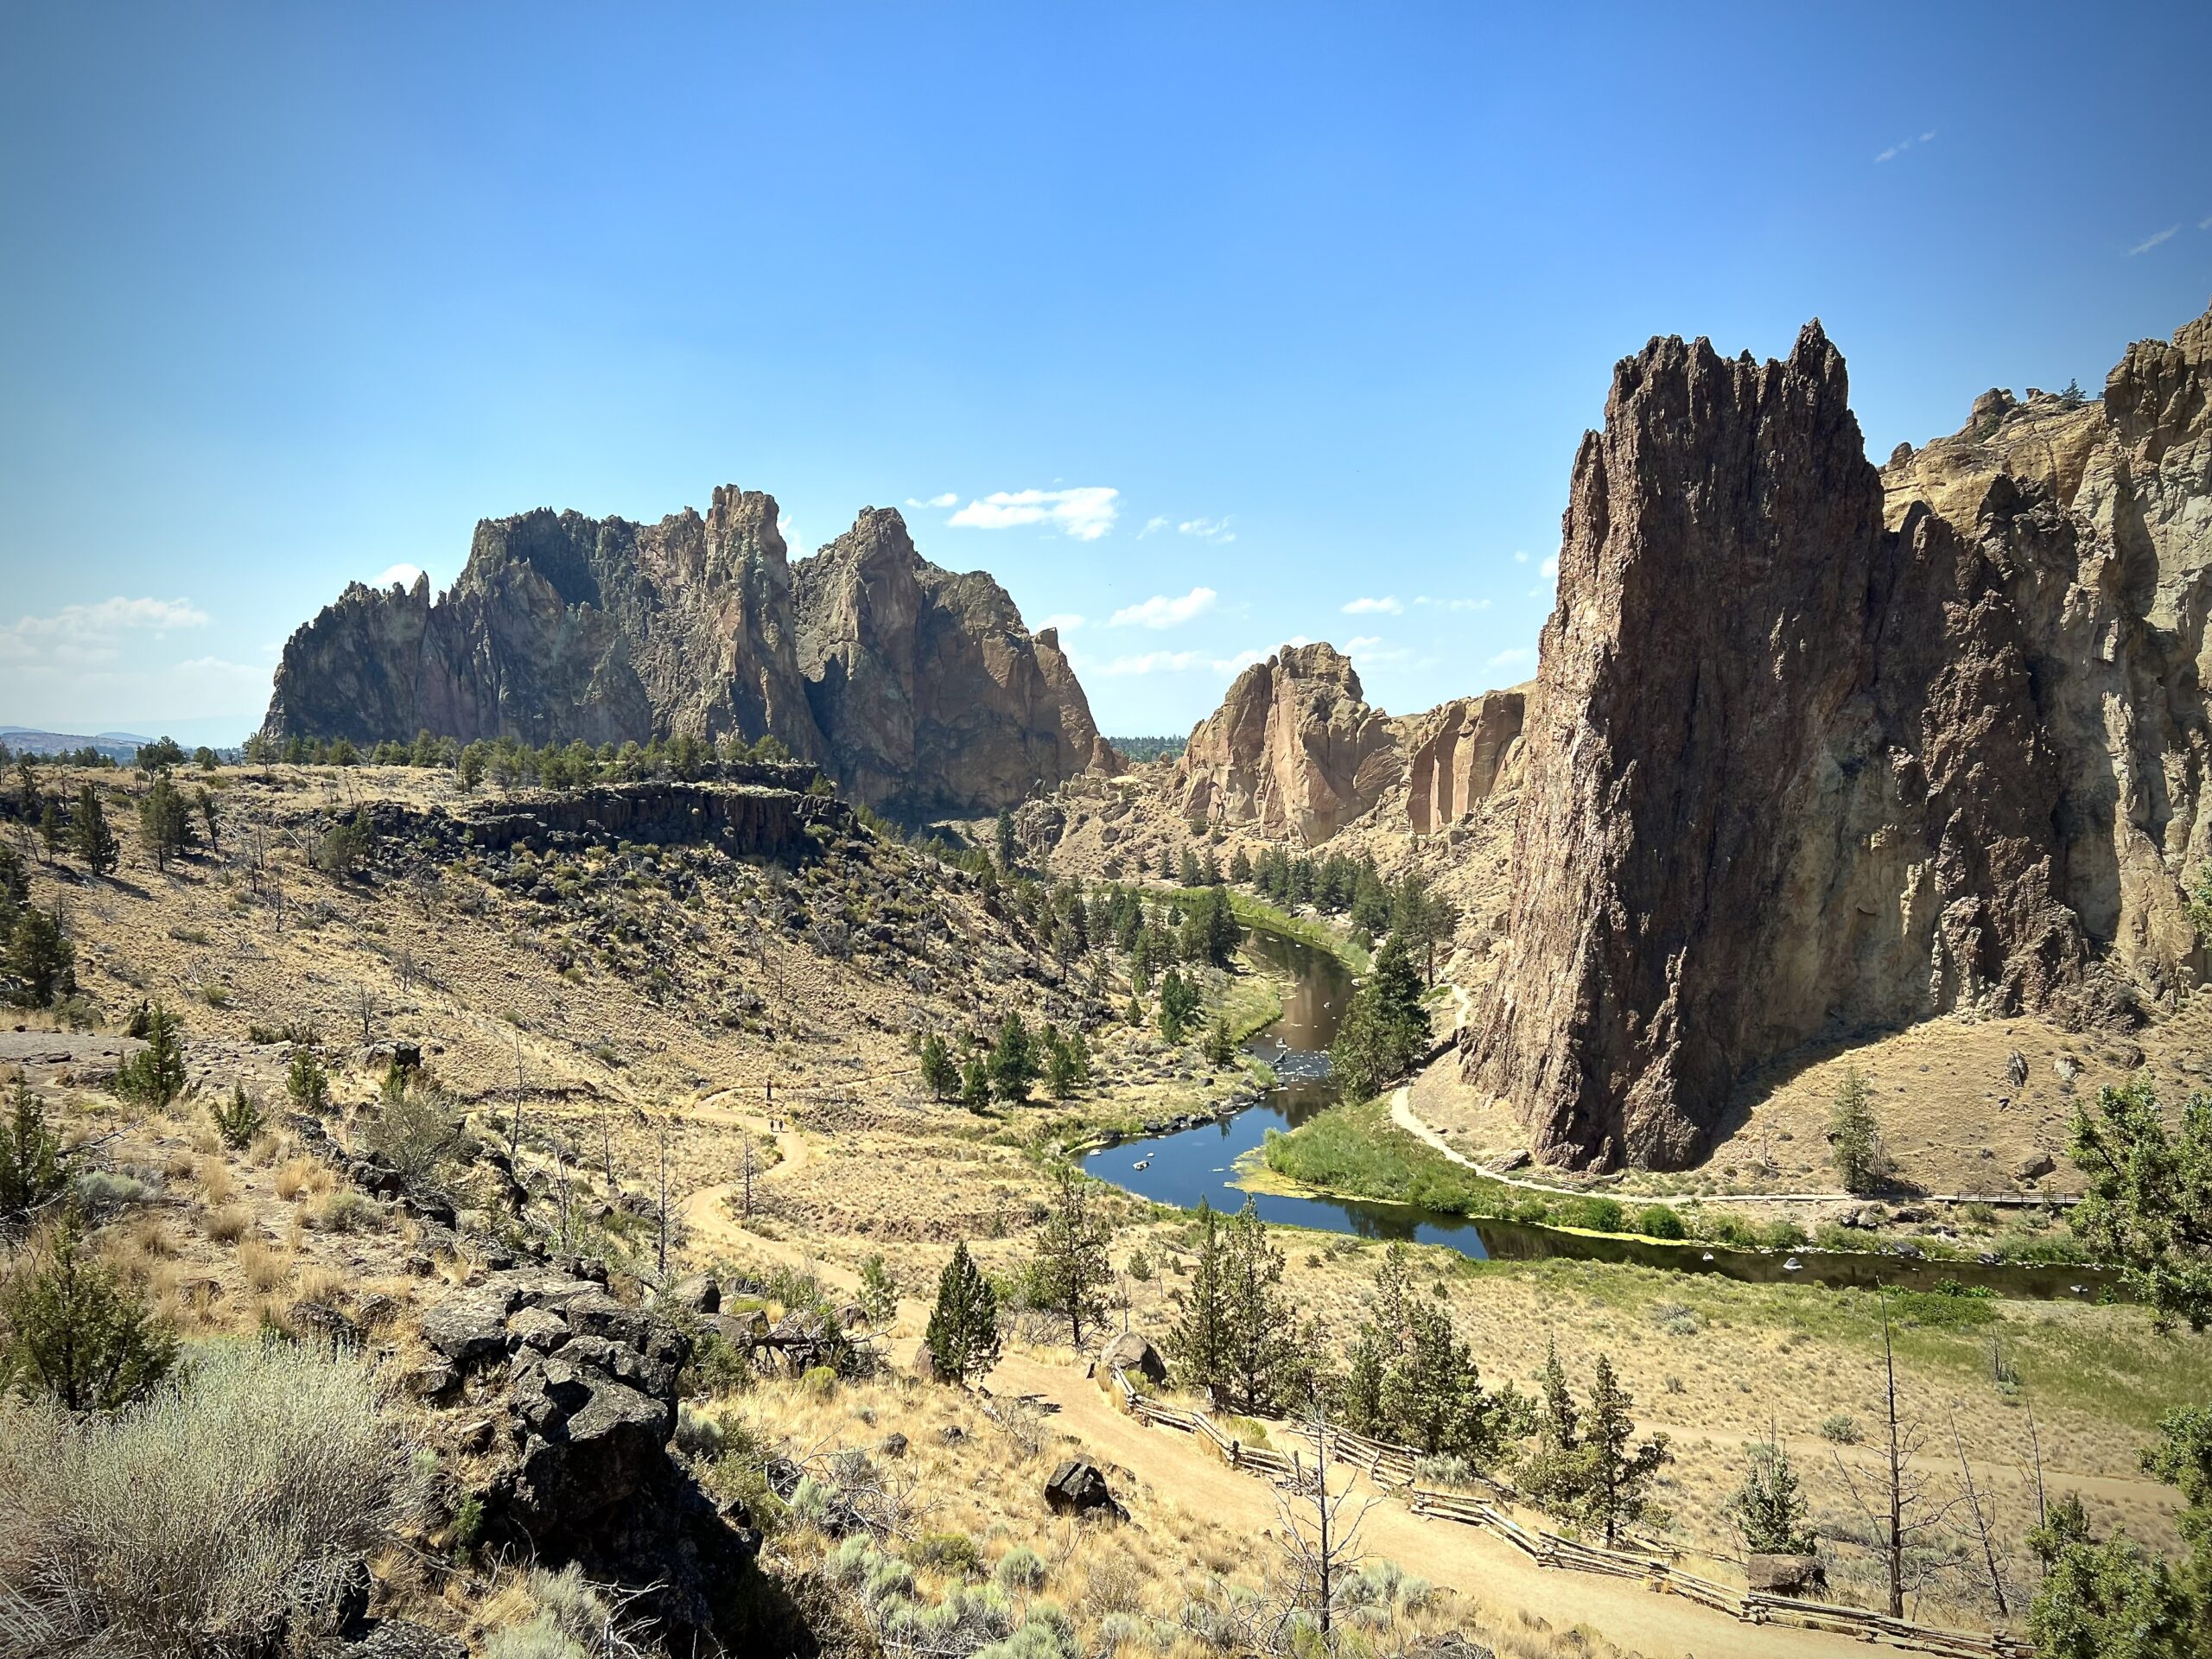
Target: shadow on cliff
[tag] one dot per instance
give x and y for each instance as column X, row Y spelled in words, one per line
column 1784, row 1070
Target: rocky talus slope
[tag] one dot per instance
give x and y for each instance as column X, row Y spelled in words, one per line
column 1815, row 748
column 919, row 688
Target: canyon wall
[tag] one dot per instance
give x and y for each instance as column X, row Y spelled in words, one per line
column 1293, row 751
column 918, row 688
column 1813, row 749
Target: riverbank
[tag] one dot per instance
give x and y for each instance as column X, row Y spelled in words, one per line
column 1358, row 1150
column 1252, row 911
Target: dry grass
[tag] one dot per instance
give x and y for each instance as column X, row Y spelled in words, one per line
column 266, row 1267
column 299, row 1175
column 230, row 1224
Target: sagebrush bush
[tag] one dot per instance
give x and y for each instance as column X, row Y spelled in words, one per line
column 201, row 1522
column 568, row 1617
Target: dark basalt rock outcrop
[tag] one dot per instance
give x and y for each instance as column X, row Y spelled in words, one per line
column 746, row 820
column 1794, row 768
column 581, row 1389
column 918, row 688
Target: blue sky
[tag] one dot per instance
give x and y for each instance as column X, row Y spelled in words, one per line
column 1244, row 314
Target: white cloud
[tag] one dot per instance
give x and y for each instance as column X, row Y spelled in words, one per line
column 2152, row 241
column 1153, row 662
column 1519, row 657
column 1151, row 527
column 949, row 498
column 1161, row 611
column 1386, row 606
column 1362, row 642
column 77, row 635
column 404, row 575
column 787, row 527
column 216, row 669
column 2205, row 224
column 1207, row 530
column 1084, row 513
column 1244, row 659
column 1454, row 604
column 1549, row 568
column 1066, row 621
column 1900, row 147
column 1519, row 557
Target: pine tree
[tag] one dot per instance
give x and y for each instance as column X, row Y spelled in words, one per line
column 939, row 1075
column 305, row 1081
column 1359, row 1398
column 74, row 1332
column 31, row 1173
column 1854, row 1146
column 52, row 828
column 963, row 1329
column 155, row 1074
column 40, row 959
column 1190, row 874
column 1616, row 1488
column 1071, row 1270
column 90, row 837
column 1259, row 1361
column 1209, row 930
column 1007, row 845
column 1198, row 1342
column 1220, row 1048
column 164, row 821
column 1240, row 865
column 1769, row 1510
column 1179, row 1001
column 237, row 1118
column 879, row 1296
column 1061, row 1071
column 1385, row 1028
column 1013, row 1061
column 975, row 1083
column 1551, row 1474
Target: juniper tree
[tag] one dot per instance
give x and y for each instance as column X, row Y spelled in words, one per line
column 1013, row 1061
column 1179, row 1001
column 1385, row 1027
column 40, row 959
column 90, row 837
column 879, row 1294
column 155, row 1074
column 237, row 1119
column 1007, row 846
column 1260, row 1362
column 1853, row 1138
column 963, row 1329
column 305, row 1081
column 164, row 820
column 74, row 1332
column 31, row 1170
column 1060, row 1069
column 1071, row 1270
column 1769, row 1510
column 2149, row 1205
column 53, row 827
column 1240, row 865
column 1198, row 1342
column 939, row 1075
column 975, row 1083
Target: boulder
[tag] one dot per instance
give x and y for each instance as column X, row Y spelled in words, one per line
column 1077, row 1487
column 1785, row 1575
column 470, row 1327
column 698, row 1294
column 1132, row 1353
column 2035, row 1167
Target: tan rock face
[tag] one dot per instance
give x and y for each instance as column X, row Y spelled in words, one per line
column 1293, row 751
column 932, row 697
column 919, row 688
column 1794, row 770
column 1456, row 754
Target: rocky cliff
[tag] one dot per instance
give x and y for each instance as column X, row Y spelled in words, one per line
column 1455, row 753
column 918, row 688
column 1293, row 751
column 1812, row 750
column 932, row 697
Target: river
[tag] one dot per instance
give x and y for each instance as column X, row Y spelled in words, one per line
column 1181, row 1168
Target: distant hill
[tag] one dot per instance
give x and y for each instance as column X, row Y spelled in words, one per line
column 1138, row 750
column 116, row 745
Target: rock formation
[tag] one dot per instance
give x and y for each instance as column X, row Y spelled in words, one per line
column 1455, row 754
column 932, row 697
column 1793, row 770
column 1293, row 751
column 918, row 688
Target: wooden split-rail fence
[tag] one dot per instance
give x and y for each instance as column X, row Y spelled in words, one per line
column 1394, row 1468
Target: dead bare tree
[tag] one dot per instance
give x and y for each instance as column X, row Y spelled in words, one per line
column 606, row 1144
column 1981, row 1512
column 1907, row 1513
column 2035, row 1449
column 514, row 1119
column 745, row 1137
column 664, row 1200
column 1320, row 1528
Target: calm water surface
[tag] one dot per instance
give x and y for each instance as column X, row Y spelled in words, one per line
column 1193, row 1164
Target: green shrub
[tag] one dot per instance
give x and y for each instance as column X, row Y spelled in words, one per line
column 74, row 1334
column 1020, row 1569
column 1657, row 1221
column 202, row 1520
column 946, row 1552
column 155, row 1074
column 237, row 1118
column 569, row 1618
column 1842, row 1428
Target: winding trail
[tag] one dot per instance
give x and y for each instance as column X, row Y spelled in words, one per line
column 1403, row 1116
column 1470, row 1559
